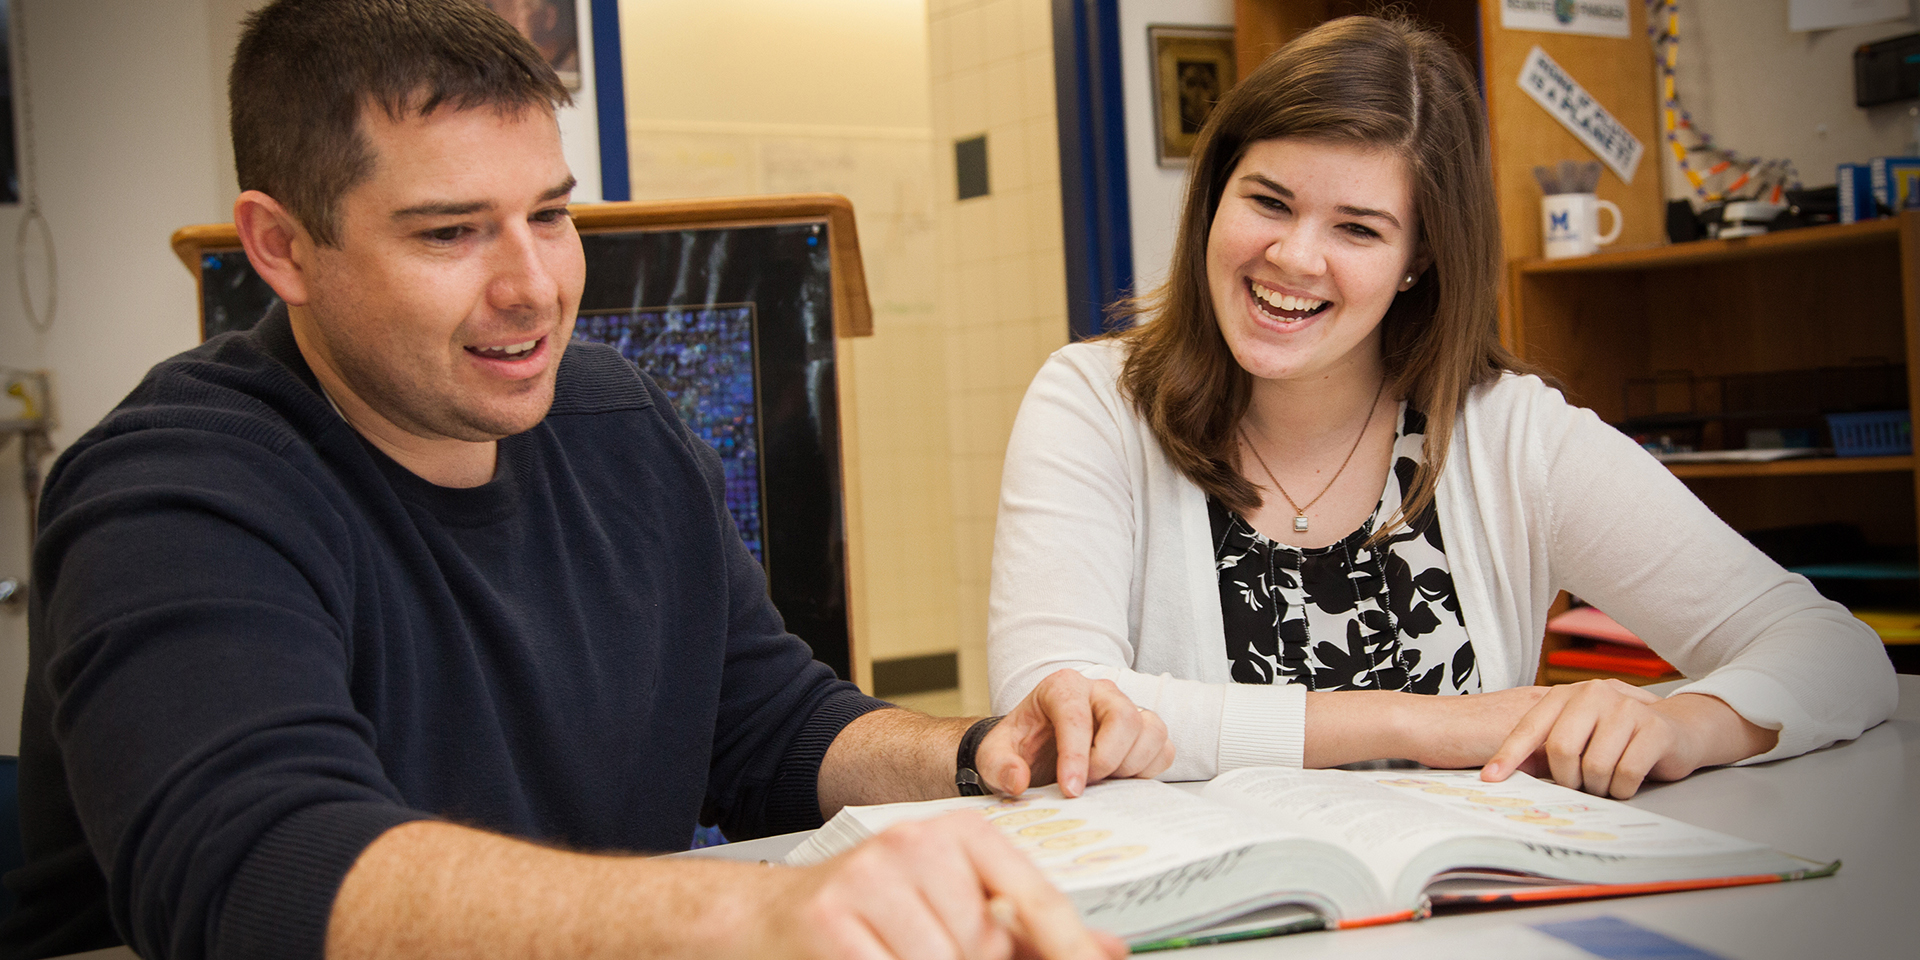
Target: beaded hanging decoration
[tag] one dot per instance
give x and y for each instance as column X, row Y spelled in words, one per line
column 1715, row 173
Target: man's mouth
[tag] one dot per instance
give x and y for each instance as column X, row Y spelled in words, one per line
column 1285, row 307
column 512, row 351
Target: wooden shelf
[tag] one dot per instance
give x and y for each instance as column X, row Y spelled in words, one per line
column 1809, row 466
column 1671, row 255
column 1814, row 298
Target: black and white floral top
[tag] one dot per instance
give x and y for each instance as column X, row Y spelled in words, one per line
column 1347, row 616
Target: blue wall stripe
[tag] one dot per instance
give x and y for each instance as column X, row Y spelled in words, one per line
column 610, row 101
column 1093, row 161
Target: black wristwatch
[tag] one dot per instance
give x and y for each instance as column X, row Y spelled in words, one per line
column 965, row 776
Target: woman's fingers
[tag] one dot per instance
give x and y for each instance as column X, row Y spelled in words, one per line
column 1599, row 736
column 1612, row 733
column 1527, row 736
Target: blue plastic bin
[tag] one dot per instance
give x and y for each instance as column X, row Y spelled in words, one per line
column 1881, row 433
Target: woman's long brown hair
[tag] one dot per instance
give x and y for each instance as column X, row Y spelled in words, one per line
column 1363, row 81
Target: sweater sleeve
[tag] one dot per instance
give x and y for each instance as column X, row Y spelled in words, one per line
column 190, row 645
column 1070, row 546
column 1630, row 538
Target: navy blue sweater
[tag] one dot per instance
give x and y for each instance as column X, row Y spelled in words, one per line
column 257, row 643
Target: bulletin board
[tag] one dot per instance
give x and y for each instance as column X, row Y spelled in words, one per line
column 735, row 307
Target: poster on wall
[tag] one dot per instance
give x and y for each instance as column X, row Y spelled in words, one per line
column 1828, row 14
column 9, row 161
column 1193, row 68
column 1599, row 18
column 553, row 27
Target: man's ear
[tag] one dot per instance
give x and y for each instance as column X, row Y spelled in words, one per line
column 276, row 242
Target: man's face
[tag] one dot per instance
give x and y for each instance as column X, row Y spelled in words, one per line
column 446, row 306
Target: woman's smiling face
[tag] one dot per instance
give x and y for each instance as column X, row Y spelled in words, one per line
column 1311, row 242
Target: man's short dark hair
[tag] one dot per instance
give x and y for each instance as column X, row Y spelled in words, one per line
column 305, row 69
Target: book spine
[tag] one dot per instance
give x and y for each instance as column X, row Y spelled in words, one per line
column 1900, row 177
column 1592, row 891
column 1649, row 666
column 1383, row 919
column 1882, row 175
column 1856, row 192
column 1304, row 925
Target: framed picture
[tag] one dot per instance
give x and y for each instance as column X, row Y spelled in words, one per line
column 553, row 27
column 1192, row 69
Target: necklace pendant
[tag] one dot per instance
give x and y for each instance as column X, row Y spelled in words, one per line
column 1300, row 524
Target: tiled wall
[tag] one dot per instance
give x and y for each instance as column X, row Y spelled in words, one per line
column 758, row 96
column 1002, row 272
column 969, row 296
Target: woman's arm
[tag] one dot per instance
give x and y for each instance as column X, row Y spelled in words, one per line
column 1778, row 670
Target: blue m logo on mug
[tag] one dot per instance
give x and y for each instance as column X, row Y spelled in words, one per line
column 1569, row 223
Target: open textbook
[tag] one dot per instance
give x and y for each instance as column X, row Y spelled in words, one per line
column 1268, row 850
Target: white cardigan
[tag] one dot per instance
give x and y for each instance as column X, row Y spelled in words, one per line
column 1103, row 562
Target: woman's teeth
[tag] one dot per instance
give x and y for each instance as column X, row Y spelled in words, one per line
column 1285, row 306
column 509, row 352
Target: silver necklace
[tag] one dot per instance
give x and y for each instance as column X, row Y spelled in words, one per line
column 1300, row 512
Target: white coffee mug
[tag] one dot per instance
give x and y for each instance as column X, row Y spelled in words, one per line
column 1570, row 224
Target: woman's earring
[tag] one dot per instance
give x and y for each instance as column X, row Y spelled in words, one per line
column 1408, row 285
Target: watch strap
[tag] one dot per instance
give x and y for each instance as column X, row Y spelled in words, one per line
column 965, row 776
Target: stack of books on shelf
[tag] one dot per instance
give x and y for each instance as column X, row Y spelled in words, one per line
column 1602, row 644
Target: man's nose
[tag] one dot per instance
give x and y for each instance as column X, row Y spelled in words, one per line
column 522, row 278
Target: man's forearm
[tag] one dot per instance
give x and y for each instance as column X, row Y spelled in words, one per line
column 430, row 889
column 889, row 756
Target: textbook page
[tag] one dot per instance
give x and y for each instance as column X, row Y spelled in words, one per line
column 1117, row 831
column 1544, row 812
column 1378, row 826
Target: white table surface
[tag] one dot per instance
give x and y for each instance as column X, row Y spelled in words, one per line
column 1857, row 802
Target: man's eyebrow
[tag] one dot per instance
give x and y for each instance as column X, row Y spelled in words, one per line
column 1270, row 184
column 452, row 209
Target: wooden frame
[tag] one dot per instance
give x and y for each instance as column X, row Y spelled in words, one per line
column 1187, row 61
column 553, row 27
column 852, row 317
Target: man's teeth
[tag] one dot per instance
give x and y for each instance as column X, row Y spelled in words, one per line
column 1281, row 301
column 511, row 352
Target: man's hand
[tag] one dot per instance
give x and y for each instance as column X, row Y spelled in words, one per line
column 939, row 889
column 1074, row 731
column 1607, row 737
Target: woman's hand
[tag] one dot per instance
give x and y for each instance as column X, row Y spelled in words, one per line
column 1607, row 737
